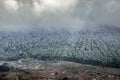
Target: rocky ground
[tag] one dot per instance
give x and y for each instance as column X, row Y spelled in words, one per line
column 58, row 70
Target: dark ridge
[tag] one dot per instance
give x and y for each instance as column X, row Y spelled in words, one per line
column 114, row 63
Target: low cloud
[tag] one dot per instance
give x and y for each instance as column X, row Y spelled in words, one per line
column 69, row 14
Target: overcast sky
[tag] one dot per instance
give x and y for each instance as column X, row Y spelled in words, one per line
column 71, row 14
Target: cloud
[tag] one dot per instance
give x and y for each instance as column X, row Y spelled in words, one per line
column 41, row 6
column 112, row 6
column 69, row 14
column 11, row 5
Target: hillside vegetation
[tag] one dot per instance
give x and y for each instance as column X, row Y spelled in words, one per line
column 97, row 47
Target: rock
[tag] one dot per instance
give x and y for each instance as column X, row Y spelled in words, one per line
column 65, row 78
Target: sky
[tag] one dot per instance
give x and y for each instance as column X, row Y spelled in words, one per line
column 68, row 14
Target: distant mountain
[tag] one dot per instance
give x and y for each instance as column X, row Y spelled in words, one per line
column 98, row 46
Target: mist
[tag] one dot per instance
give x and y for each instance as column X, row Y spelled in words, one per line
column 23, row 15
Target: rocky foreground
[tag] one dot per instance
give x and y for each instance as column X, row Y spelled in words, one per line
column 58, row 70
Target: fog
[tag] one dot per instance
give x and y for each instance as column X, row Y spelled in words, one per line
column 20, row 15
